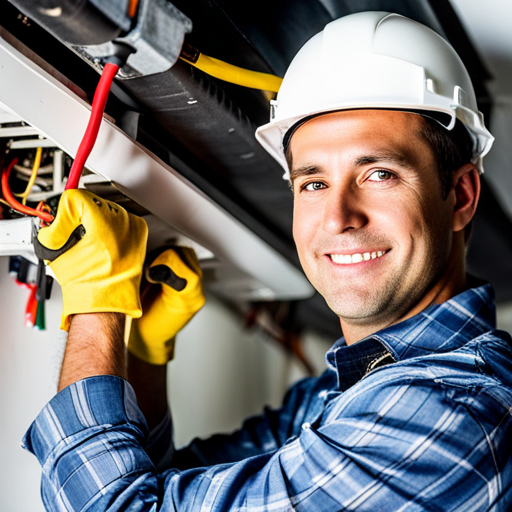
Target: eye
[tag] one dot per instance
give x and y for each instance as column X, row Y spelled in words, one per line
column 381, row 175
column 313, row 186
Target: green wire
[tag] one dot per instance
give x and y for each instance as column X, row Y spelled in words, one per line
column 40, row 317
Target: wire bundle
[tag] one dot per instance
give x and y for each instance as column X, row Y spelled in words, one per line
column 34, row 312
column 85, row 148
column 14, row 203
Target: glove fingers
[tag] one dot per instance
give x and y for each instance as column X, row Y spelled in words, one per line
column 77, row 207
column 189, row 257
column 69, row 216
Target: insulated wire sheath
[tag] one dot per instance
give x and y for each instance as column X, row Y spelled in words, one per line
column 132, row 8
column 13, row 202
column 98, row 107
column 32, row 305
column 40, row 317
column 32, row 180
column 240, row 76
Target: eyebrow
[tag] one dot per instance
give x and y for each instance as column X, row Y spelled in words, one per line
column 307, row 170
column 384, row 155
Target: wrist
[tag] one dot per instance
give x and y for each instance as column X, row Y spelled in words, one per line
column 95, row 347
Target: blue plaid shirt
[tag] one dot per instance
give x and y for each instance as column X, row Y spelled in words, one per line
column 415, row 417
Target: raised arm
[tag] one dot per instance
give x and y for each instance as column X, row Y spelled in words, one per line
column 95, row 346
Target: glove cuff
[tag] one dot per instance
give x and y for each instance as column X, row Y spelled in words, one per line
column 109, row 296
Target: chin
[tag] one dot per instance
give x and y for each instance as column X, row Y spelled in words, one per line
column 367, row 307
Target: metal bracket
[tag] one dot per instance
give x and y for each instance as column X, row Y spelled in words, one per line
column 158, row 37
column 16, row 237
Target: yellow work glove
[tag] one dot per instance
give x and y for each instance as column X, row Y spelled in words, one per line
column 96, row 250
column 175, row 296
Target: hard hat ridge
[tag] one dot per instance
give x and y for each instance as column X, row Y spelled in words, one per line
column 375, row 60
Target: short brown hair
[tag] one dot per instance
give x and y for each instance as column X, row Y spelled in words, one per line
column 451, row 148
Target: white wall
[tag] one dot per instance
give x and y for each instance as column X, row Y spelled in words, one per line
column 221, row 374
column 29, row 362
column 504, row 316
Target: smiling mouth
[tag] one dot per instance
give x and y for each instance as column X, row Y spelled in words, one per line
column 347, row 259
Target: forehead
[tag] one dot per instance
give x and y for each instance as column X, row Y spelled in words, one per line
column 352, row 133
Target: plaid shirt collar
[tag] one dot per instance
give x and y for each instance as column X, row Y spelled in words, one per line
column 438, row 328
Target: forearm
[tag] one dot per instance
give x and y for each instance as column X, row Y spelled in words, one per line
column 95, row 347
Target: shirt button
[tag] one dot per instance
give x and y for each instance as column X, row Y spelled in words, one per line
column 306, row 426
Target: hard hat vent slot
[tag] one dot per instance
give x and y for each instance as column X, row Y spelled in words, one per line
column 460, row 97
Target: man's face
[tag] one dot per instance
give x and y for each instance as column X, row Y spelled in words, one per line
column 371, row 228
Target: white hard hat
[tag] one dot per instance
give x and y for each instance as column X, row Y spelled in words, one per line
column 375, row 60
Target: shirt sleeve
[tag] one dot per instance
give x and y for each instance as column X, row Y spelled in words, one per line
column 160, row 443
column 381, row 446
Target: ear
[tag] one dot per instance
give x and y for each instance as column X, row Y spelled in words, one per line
column 466, row 187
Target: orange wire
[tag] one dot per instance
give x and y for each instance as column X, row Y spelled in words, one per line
column 14, row 203
column 43, row 207
column 132, row 8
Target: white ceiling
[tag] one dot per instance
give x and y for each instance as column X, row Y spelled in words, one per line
column 489, row 26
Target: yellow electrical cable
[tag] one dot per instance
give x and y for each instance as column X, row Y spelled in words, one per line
column 229, row 73
column 31, row 181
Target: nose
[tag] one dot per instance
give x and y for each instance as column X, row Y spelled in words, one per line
column 343, row 210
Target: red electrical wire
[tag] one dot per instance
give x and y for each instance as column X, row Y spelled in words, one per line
column 31, row 308
column 98, row 106
column 14, row 203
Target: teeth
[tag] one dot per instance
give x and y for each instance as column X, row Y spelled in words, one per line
column 345, row 259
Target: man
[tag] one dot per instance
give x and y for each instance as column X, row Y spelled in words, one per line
column 413, row 411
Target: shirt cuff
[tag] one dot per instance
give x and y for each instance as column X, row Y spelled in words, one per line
column 89, row 405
